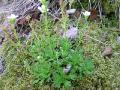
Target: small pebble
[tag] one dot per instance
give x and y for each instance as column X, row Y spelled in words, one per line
column 118, row 39
column 107, row 52
column 0, row 46
column 1, row 66
column 67, row 68
column 71, row 33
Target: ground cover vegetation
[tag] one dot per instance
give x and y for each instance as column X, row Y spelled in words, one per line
column 62, row 45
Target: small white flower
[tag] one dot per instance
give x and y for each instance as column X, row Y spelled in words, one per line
column 42, row 8
column 71, row 11
column 12, row 16
column 86, row 13
column 38, row 57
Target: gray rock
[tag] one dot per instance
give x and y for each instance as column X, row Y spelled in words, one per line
column 118, row 38
column 1, row 65
column 107, row 52
column 67, row 68
column 2, row 36
column 71, row 33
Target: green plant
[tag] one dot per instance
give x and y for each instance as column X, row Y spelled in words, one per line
column 47, row 59
column 51, row 55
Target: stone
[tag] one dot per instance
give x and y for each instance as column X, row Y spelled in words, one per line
column 107, row 52
column 1, row 66
column 67, row 68
column 2, row 36
column 118, row 38
column 71, row 33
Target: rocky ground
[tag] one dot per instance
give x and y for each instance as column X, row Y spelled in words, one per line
column 1, row 62
column 1, row 40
